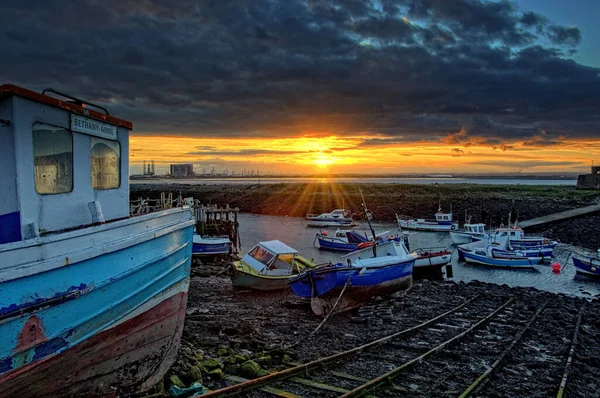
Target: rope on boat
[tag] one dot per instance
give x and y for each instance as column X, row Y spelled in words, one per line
column 332, row 308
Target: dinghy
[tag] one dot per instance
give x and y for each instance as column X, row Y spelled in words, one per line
column 268, row 266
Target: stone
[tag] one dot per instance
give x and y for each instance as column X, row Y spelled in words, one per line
column 249, row 369
column 262, row 373
column 264, row 361
column 216, row 374
column 286, row 358
column 211, row 363
column 222, row 352
column 195, row 374
column 176, row 381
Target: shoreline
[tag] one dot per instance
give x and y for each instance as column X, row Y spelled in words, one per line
column 490, row 204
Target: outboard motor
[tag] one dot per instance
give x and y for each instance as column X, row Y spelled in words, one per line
column 406, row 243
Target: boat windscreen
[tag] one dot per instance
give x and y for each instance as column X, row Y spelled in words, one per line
column 283, row 261
column 261, row 255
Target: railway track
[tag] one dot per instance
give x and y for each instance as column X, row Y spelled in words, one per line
column 473, row 349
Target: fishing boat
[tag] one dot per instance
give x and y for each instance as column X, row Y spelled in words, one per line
column 268, row 266
column 92, row 300
column 494, row 253
column 442, row 223
column 468, row 233
column 211, row 245
column 587, row 265
column 379, row 269
column 336, row 218
column 383, row 267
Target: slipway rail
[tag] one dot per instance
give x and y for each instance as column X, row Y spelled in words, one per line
column 479, row 337
column 304, row 368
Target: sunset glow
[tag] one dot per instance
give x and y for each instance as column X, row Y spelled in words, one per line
column 306, row 155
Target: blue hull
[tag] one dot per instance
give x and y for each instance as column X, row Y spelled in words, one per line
column 587, row 266
column 338, row 247
column 74, row 303
column 327, row 279
column 546, row 252
column 207, row 249
column 471, row 257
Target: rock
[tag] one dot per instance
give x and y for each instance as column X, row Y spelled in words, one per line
column 221, row 352
column 262, row 373
column 195, row 374
column 230, row 369
column 264, row 361
column 211, row 363
column 249, row 369
column 286, row 358
column 176, row 381
column 216, row 374
column 413, row 387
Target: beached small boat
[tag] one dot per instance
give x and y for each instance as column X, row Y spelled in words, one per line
column 494, row 253
column 587, row 265
column 468, row 233
column 432, row 258
column 442, row 223
column 379, row 269
column 268, row 266
column 338, row 218
column 92, row 301
column 211, row 245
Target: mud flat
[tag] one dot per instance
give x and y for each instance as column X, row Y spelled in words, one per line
column 248, row 334
column 485, row 203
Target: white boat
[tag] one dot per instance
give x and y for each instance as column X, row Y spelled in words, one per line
column 442, row 223
column 92, row 300
column 485, row 252
column 336, row 218
column 469, row 233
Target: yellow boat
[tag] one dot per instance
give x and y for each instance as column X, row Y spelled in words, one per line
column 268, row 266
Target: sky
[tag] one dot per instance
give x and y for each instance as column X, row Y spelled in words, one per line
column 326, row 86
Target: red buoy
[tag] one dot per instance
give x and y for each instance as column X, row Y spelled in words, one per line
column 556, row 268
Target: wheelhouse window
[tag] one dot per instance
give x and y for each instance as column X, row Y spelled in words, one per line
column 105, row 163
column 53, row 159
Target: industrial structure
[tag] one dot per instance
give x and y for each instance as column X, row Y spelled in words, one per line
column 182, row 170
column 589, row 181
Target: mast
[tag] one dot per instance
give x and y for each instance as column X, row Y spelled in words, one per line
column 367, row 214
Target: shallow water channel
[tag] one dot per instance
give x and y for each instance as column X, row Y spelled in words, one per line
column 294, row 232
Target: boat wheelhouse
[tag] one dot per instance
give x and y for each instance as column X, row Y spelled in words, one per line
column 469, row 232
column 92, row 301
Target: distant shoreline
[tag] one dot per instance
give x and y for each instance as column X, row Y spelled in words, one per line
column 361, row 176
column 484, row 203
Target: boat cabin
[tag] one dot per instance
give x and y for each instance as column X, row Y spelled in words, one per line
column 478, row 228
column 443, row 217
column 64, row 162
column 271, row 257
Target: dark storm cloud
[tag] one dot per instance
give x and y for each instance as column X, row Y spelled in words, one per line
column 465, row 72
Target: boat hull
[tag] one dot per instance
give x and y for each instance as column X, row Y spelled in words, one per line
column 433, row 261
column 106, row 319
column 470, row 257
column 587, row 266
column 460, row 237
column 211, row 249
column 336, row 244
column 329, row 224
column 243, row 280
column 425, row 227
column 325, row 285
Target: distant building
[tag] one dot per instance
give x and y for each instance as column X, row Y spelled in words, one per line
column 589, row 181
column 182, row 170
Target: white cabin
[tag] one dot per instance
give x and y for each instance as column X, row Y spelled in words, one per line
column 477, row 229
column 63, row 165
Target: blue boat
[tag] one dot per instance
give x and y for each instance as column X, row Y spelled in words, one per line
column 544, row 252
column 211, row 245
column 495, row 253
column 380, row 269
column 92, row 301
column 341, row 240
column 587, row 265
